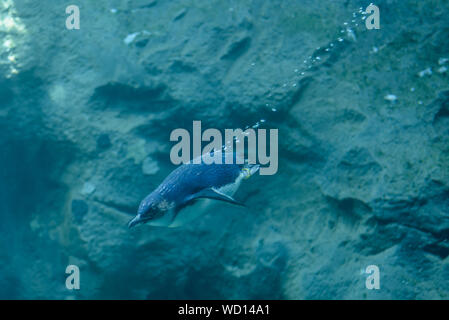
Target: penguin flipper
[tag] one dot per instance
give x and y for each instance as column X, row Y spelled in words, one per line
column 214, row 194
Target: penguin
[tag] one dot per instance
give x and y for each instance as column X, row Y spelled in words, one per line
column 188, row 190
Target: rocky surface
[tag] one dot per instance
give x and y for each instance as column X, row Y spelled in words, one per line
column 85, row 119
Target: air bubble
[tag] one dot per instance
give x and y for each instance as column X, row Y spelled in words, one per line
column 442, row 69
column 425, row 72
column 442, row 61
column 390, row 97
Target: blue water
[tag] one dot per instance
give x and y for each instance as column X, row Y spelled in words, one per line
column 357, row 207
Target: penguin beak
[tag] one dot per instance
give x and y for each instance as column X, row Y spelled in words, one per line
column 136, row 220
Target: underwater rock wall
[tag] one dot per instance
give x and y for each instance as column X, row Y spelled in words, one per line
column 85, row 119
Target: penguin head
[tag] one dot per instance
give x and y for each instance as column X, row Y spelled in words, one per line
column 152, row 207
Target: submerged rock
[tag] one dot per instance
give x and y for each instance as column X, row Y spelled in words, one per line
column 79, row 210
column 363, row 173
column 149, row 166
column 103, row 141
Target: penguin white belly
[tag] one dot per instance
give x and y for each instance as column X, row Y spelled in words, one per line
column 196, row 210
column 190, row 213
column 231, row 189
column 163, row 221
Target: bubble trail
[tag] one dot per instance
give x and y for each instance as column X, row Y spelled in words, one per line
column 347, row 34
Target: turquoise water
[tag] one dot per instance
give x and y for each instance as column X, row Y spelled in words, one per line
column 362, row 120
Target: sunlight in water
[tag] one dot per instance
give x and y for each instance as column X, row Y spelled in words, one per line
column 16, row 31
